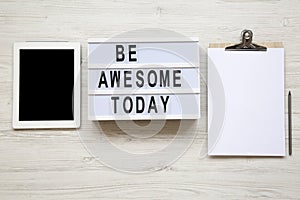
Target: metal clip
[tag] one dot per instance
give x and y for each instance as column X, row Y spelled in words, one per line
column 246, row 44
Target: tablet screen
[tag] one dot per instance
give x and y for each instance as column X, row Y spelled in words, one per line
column 46, row 84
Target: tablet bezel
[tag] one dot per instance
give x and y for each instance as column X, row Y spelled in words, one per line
column 75, row 123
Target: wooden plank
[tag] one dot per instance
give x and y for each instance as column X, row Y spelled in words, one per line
column 266, row 44
column 54, row 164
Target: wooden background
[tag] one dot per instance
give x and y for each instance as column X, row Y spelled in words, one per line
column 54, row 164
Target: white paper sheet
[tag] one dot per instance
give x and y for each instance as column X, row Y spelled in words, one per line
column 246, row 102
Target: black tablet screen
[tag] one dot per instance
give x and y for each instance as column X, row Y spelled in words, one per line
column 46, row 84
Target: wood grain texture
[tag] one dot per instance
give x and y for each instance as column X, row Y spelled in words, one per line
column 54, row 164
column 266, row 44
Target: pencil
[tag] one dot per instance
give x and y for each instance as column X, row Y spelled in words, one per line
column 290, row 121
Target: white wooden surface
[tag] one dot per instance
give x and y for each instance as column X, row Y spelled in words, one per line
column 53, row 164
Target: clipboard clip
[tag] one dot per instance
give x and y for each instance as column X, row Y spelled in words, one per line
column 246, row 44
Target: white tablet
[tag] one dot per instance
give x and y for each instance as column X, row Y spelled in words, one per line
column 46, row 85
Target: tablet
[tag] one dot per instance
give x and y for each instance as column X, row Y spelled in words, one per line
column 46, row 85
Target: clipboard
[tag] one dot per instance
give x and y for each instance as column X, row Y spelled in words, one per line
column 246, row 99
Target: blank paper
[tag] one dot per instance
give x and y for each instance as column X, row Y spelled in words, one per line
column 246, row 102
